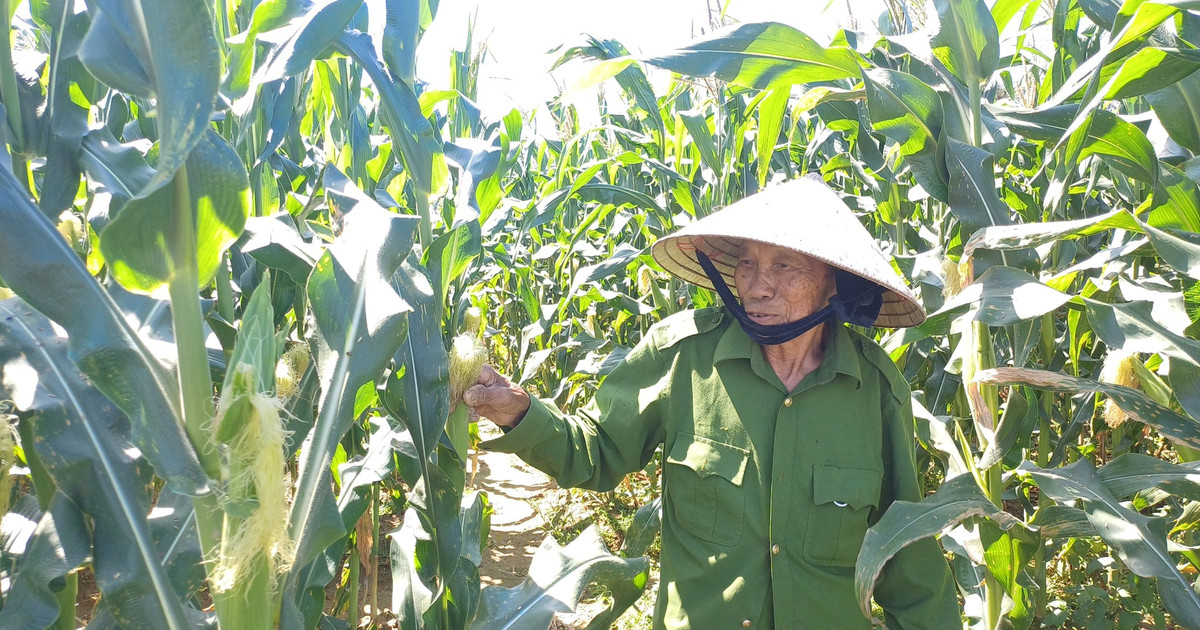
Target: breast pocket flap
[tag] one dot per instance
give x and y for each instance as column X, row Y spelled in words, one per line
column 853, row 487
column 708, row 458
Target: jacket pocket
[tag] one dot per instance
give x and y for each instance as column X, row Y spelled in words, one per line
column 843, row 499
column 704, row 488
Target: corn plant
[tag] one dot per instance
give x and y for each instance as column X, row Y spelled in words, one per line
column 219, row 344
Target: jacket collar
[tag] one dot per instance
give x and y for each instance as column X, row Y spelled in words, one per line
column 841, row 357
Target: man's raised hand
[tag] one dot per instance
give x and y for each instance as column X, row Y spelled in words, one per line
column 496, row 398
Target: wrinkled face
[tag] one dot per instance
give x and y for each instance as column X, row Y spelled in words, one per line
column 779, row 285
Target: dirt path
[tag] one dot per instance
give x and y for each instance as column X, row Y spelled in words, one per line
column 517, row 492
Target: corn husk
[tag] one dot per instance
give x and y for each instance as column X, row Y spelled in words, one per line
column 467, row 356
column 645, row 280
column 8, row 457
column 250, row 425
column 473, row 321
column 71, row 229
column 957, row 275
column 1118, row 369
column 290, row 370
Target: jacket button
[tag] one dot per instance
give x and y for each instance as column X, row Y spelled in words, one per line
column 787, row 402
column 746, row 624
column 775, row 550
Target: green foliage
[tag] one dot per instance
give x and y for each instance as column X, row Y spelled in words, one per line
column 268, row 146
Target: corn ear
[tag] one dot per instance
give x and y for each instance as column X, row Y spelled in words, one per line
column 473, row 321
column 255, row 534
column 467, row 356
column 952, row 285
column 72, row 230
column 1119, row 370
column 290, row 370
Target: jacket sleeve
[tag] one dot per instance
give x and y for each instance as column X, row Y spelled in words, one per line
column 916, row 588
column 615, row 434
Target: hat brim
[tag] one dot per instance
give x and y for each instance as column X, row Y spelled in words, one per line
column 677, row 255
column 804, row 216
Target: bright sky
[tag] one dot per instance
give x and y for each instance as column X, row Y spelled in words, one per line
column 519, row 34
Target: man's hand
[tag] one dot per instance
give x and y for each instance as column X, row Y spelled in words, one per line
column 496, row 398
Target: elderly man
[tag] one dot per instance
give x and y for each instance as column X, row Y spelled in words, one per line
column 785, row 433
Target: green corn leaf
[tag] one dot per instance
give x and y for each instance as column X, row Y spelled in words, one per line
column 1140, row 541
column 40, row 266
column 166, row 50
column 909, row 112
column 117, row 169
column 1185, row 381
column 135, row 243
column 1062, row 521
column 1120, row 143
column 643, row 529
column 973, row 200
column 595, row 192
column 418, row 391
column 1175, row 427
column 172, row 525
column 451, row 254
column 1102, row 12
column 696, row 122
column 275, row 242
column 1146, row 71
column 419, row 149
column 761, row 56
column 965, row 39
column 617, row 63
column 401, row 35
column 1131, row 473
column 1179, row 207
column 1030, row 235
column 358, row 324
column 243, row 51
column 299, row 39
column 64, row 121
column 412, row 588
column 60, row 542
column 557, row 579
column 476, row 161
column 82, row 443
column 906, row 522
column 418, row 395
column 770, row 122
column 1018, row 420
column 1132, row 326
column 1178, row 108
column 1182, row 254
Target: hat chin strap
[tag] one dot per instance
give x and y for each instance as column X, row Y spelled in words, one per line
column 861, row 307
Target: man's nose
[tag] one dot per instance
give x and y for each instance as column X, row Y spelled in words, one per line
column 761, row 284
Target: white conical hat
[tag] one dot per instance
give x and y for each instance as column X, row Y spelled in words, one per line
column 804, row 215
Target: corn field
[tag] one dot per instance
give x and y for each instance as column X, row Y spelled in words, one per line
column 237, row 239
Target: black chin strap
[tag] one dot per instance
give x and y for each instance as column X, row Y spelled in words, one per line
column 860, row 307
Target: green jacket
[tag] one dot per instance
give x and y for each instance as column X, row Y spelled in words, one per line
column 766, row 493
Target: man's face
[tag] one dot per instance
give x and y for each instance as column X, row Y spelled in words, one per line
column 779, row 285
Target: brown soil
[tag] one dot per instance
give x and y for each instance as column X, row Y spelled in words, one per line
column 519, row 496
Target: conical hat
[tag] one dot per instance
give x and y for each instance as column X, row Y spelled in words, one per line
column 803, row 215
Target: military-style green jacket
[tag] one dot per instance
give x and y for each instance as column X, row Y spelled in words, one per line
column 766, row 493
